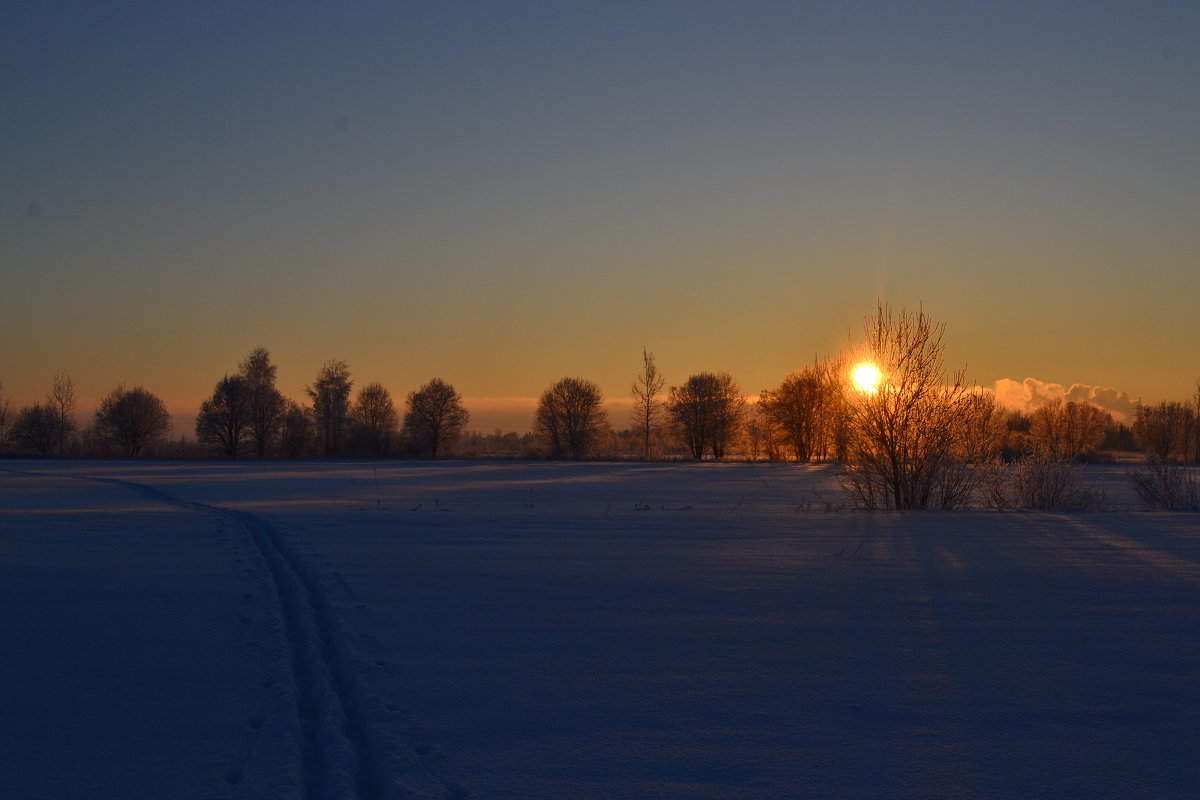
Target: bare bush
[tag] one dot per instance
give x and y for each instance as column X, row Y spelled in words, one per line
column 1041, row 482
column 1168, row 487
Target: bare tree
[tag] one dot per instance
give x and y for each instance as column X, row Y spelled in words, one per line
column 805, row 409
column 570, row 418
column 1196, row 424
column 330, row 394
column 906, row 437
column 296, row 430
column 266, row 405
column 131, row 419
column 62, row 400
column 647, row 403
column 1165, row 431
column 223, row 420
column 707, row 413
column 36, row 428
column 435, row 418
column 1061, row 430
column 6, row 420
column 761, row 435
column 375, row 419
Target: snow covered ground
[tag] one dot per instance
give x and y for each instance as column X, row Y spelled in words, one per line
column 548, row 630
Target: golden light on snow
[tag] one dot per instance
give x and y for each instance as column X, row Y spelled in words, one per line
column 866, row 378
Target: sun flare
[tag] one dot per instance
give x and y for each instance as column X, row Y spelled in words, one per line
column 866, row 378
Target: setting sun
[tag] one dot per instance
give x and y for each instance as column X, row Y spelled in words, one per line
column 866, row 378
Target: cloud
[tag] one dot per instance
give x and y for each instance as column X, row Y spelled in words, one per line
column 1030, row 394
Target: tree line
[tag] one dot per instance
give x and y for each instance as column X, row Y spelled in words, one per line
column 903, row 441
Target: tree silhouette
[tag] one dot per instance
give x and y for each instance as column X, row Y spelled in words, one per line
column 806, row 411
column 908, row 437
column 1165, row 431
column 1063, row 431
column 375, row 419
column 330, row 394
column 707, row 413
column 6, row 420
column 296, row 430
column 435, row 417
column 647, row 404
column 223, row 419
column 131, row 419
column 36, row 428
column 570, row 418
column 62, row 400
column 265, row 406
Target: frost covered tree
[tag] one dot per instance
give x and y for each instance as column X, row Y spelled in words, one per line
column 374, row 420
column 265, row 404
column 435, row 417
column 1165, row 431
column 131, row 419
column 910, row 424
column 707, row 413
column 1062, row 430
column 570, row 419
column 330, row 394
column 223, row 418
column 648, row 404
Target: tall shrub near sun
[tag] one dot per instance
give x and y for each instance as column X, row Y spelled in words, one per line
column 913, row 427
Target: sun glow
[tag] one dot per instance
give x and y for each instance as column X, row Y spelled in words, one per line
column 866, row 378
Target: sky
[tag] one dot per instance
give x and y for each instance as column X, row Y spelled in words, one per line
column 504, row 194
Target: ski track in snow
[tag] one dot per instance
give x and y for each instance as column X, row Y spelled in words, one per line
column 338, row 729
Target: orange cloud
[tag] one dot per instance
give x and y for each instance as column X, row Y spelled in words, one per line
column 1030, row 394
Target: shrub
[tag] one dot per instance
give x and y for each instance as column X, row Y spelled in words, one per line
column 1169, row 487
column 1044, row 483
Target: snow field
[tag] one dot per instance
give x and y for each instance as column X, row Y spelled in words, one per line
column 586, row 630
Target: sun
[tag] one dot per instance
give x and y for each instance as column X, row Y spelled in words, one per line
column 866, row 378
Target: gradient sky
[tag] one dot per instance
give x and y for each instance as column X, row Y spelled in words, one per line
column 502, row 194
